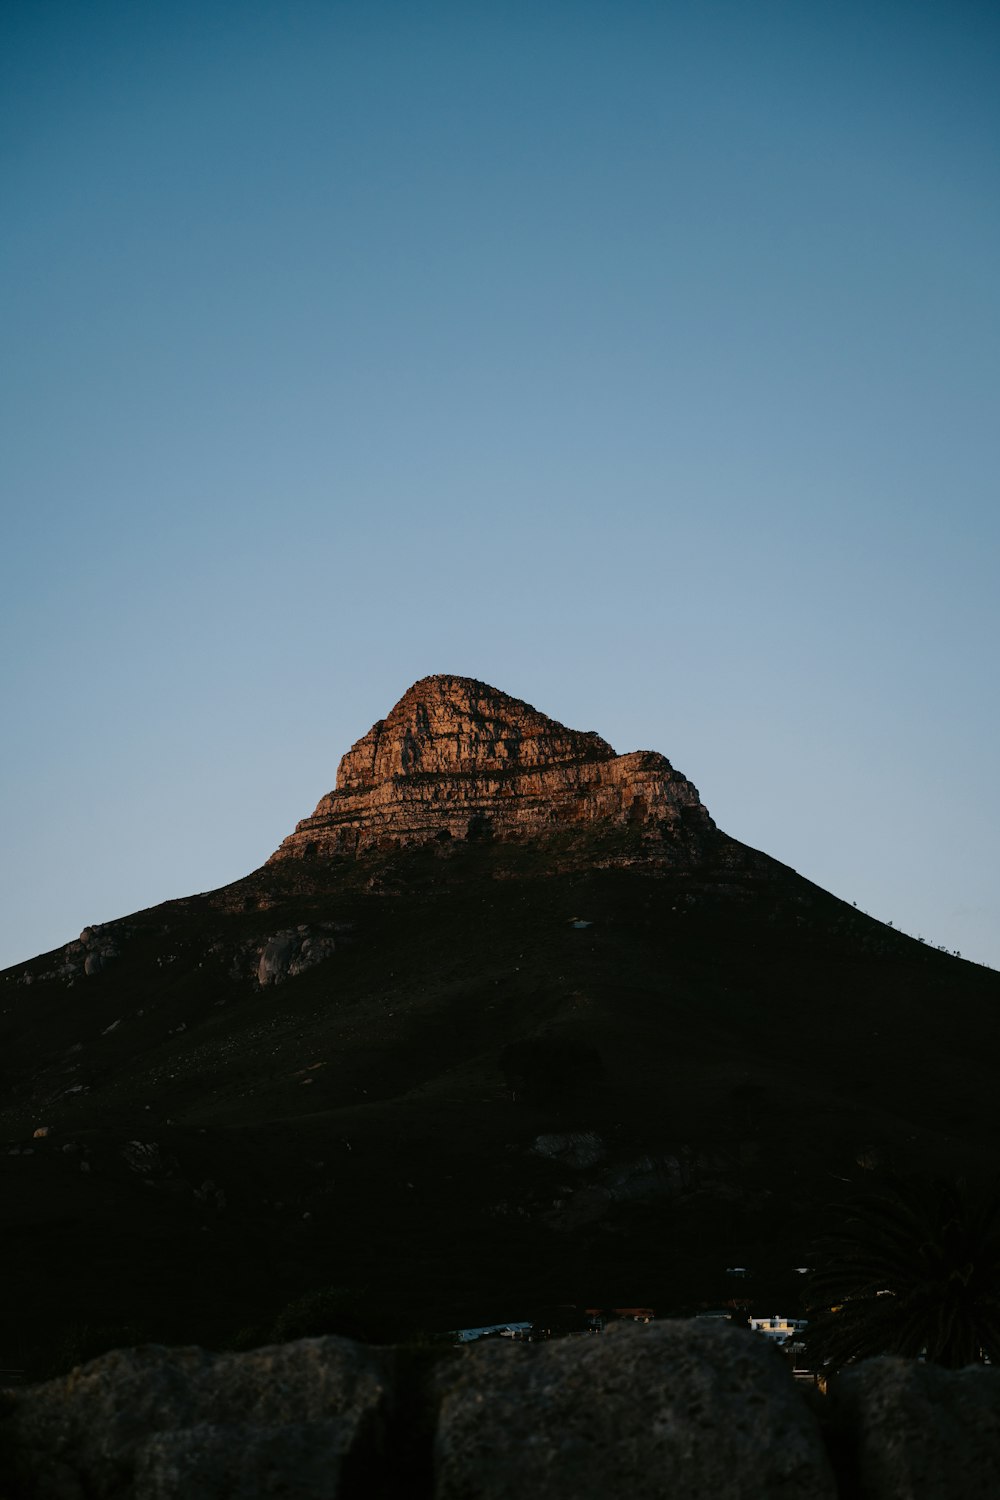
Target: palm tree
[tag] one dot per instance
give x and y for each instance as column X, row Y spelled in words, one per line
column 913, row 1270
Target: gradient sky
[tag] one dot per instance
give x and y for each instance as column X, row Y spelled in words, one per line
column 640, row 359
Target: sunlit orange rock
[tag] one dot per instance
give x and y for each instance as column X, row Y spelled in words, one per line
column 458, row 759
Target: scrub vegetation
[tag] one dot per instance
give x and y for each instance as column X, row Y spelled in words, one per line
column 470, row 1106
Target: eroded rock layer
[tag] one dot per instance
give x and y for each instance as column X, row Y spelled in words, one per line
column 458, row 759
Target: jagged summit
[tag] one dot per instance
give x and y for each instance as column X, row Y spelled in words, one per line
column 458, row 726
column 456, row 758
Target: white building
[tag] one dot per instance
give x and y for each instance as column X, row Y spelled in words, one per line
column 778, row 1328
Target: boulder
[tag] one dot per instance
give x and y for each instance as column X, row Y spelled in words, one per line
column 152, row 1422
column 293, row 952
column 275, row 958
column 917, row 1432
column 674, row 1409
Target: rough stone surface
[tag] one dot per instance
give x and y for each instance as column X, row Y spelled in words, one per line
column 458, row 759
column 675, row 1409
column 292, row 952
column 917, row 1432
column 275, row 958
column 299, row 1461
column 126, row 1423
column 687, row 1410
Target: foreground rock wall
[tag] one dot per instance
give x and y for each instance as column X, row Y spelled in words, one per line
column 686, row 1410
column 456, row 758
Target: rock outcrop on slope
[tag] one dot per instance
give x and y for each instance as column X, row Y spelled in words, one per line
column 458, row 759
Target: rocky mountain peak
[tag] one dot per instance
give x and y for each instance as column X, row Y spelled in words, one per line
column 458, row 726
column 456, row 758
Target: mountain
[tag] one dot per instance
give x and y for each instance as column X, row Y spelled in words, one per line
column 507, row 1022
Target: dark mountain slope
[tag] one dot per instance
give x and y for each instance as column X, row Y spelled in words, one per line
column 405, row 1071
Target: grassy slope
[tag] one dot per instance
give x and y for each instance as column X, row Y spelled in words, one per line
column 744, row 1023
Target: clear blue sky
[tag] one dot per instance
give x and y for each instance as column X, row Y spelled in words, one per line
column 639, row 358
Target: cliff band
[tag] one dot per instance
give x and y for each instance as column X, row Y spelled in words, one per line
column 458, row 759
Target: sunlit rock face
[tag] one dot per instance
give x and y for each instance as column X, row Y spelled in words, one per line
column 458, row 759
